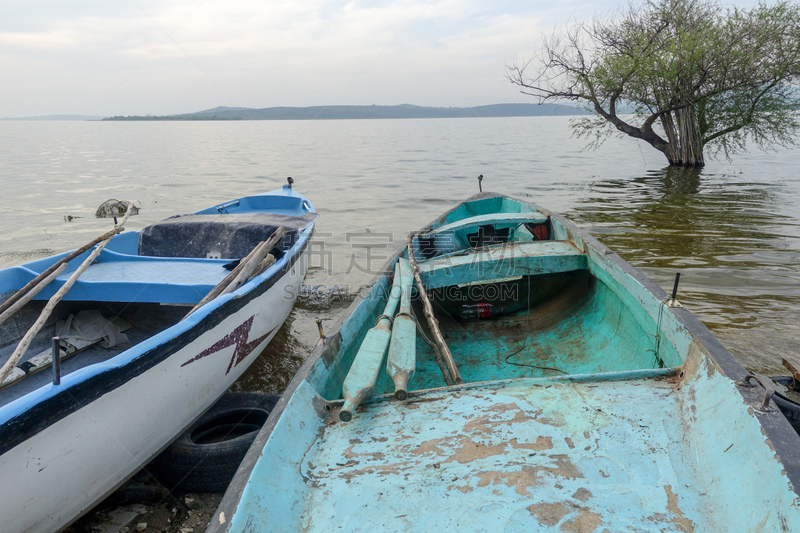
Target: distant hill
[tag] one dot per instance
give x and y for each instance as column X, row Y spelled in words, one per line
column 55, row 117
column 366, row 112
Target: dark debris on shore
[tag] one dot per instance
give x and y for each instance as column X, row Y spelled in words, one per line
column 145, row 505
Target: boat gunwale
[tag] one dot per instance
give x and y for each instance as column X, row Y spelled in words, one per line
column 782, row 437
column 617, row 375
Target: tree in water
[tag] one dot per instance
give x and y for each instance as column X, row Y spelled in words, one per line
column 681, row 75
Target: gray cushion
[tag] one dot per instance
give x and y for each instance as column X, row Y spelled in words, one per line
column 227, row 236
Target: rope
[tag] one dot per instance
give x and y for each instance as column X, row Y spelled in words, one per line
column 387, row 317
column 657, row 348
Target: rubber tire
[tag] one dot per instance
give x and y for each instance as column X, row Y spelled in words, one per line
column 206, row 456
column 789, row 408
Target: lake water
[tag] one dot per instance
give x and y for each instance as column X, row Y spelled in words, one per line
column 732, row 230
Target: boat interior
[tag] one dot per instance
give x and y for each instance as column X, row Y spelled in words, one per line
column 522, row 304
column 585, row 406
column 137, row 321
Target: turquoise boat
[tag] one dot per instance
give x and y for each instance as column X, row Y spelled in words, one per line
column 570, row 394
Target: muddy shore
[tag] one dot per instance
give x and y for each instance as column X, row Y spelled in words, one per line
column 143, row 505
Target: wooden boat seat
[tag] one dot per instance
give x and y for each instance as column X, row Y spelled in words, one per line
column 129, row 278
column 476, row 231
column 183, row 281
column 512, row 219
column 497, row 262
column 225, row 236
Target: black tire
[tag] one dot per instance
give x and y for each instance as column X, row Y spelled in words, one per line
column 206, row 456
column 789, row 408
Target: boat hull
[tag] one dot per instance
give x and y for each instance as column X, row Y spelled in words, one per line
column 658, row 433
column 62, row 471
column 63, row 448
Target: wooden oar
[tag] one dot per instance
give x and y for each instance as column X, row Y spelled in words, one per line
column 360, row 380
column 254, row 263
column 22, row 347
column 401, row 363
column 444, row 351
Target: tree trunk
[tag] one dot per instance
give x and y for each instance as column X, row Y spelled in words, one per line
column 690, row 153
column 671, row 150
column 685, row 145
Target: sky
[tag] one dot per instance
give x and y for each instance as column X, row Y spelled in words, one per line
column 158, row 57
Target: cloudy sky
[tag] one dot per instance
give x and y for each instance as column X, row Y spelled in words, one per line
column 121, row 57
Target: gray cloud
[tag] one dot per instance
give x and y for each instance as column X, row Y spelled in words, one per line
column 162, row 57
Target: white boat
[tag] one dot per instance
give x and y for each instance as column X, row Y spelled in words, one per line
column 69, row 438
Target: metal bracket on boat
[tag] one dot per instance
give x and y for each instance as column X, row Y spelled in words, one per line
column 768, row 390
column 223, row 208
column 673, row 300
column 56, row 360
column 322, row 338
column 322, row 407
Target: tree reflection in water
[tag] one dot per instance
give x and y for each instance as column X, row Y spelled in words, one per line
column 737, row 255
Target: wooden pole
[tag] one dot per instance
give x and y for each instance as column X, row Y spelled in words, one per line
column 247, row 267
column 22, row 347
column 20, row 303
column 46, row 275
column 264, row 265
column 259, row 255
column 219, row 287
column 41, row 277
column 439, row 360
column 432, row 322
